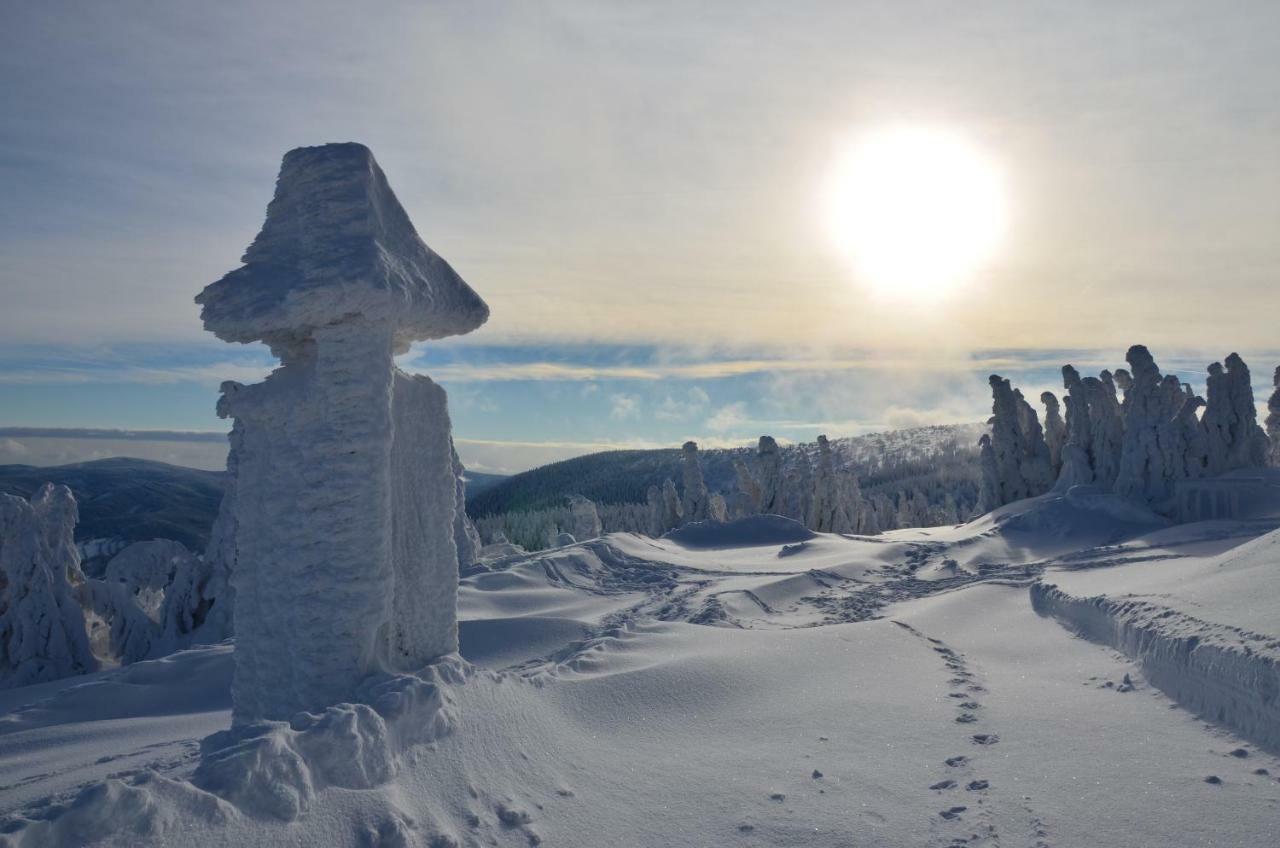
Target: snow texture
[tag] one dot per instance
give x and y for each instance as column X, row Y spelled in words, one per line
column 338, row 444
column 42, row 626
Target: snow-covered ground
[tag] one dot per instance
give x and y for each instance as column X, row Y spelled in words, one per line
column 753, row 685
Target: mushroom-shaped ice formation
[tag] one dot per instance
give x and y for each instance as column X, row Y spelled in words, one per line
column 345, row 491
column 338, row 247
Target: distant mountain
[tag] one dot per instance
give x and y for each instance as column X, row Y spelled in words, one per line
column 133, row 499
column 139, row 499
column 890, row 461
column 479, row 481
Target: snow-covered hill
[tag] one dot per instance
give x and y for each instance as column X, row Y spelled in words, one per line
column 748, row 684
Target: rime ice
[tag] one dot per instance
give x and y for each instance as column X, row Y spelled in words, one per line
column 345, row 492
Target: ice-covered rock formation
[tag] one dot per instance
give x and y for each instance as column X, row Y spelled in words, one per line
column 346, row 563
column 584, row 519
column 42, row 625
column 1273, row 419
column 694, row 504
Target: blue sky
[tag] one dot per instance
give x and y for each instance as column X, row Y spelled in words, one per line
column 633, row 189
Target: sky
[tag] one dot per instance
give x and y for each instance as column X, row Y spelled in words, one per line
column 635, row 189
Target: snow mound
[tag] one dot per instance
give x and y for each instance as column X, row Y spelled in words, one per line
column 267, row 770
column 752, row 531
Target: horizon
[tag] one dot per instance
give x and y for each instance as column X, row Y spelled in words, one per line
column 652, row 237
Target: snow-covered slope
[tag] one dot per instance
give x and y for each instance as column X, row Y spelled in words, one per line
column 752, row 685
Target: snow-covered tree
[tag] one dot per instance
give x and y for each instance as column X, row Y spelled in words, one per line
column 1019, row 464
column 835, row 509
column 1055, row 430
column 42, row 625
column 1273, row 418
column 769, row 476
column 671, row 511
column 584, row 519
column 694, row 504
column 749, row 493
column 717, row 509
column 465, row 537
column 653, row 504
column 1231, row 420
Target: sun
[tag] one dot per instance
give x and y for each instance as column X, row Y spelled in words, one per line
column 918, row 211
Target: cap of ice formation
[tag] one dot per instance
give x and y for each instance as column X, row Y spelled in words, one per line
column 336, row 247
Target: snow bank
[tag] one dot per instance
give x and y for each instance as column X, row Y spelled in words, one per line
column 745, row 532
column 1230, row 676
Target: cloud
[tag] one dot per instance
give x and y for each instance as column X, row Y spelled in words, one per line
column 677, row 409
column 622, row 407
column 728, row 417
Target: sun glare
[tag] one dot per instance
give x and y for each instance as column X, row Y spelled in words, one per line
column 917, row 211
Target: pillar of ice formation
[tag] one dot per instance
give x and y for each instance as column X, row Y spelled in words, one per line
column 345, row 494
column 695, row 502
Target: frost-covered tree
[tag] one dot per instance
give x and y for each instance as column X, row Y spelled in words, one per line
column 1077, row 446
column 694, row 503
column 1142, row 474
column 1231, row 420
column 465, row 536
column 769, row 476
column 671, row 510
column 717, row 509
column 835, row 509
column 1273, row 418
column 1020, row 457
column 1055, row 430
column 748, row 490
column 42, row 625
column 584, row 519
column 653, row 505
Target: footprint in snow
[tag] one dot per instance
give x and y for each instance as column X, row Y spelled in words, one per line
column 966, row 718
column 956, row 762
column 985, row 738
column 953, row 812
column 977, row 785
column 946, row 784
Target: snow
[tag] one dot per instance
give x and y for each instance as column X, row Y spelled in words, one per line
column 909, row 672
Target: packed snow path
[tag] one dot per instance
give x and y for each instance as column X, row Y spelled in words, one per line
column 890, row 691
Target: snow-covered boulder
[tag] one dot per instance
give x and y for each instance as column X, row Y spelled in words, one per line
column 346, row 561
column 42, row 625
